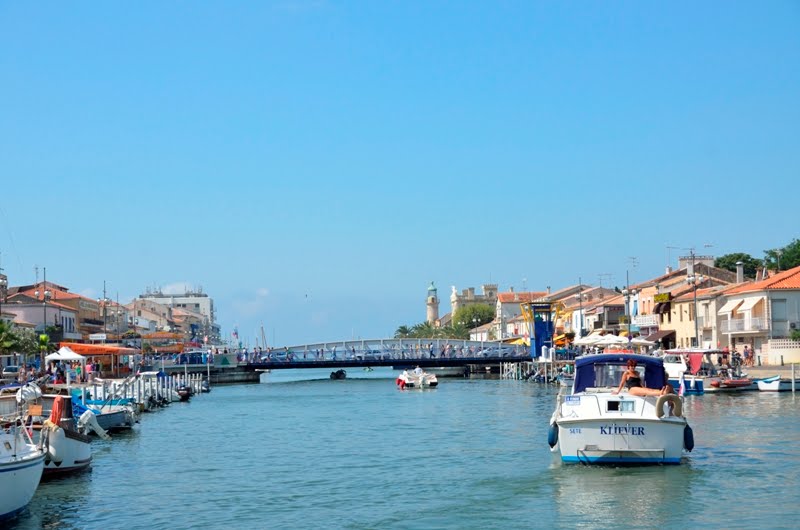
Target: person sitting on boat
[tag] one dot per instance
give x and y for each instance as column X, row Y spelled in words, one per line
column 417, row 371
column 630, row 378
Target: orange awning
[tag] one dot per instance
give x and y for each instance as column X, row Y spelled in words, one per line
column 98, row 349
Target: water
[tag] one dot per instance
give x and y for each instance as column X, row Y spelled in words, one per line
column 359, row 454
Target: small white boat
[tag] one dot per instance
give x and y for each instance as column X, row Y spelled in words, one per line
column 776, row 384
column 592, row 425
column 68, row 450
column 21, row 463
column 416, row 379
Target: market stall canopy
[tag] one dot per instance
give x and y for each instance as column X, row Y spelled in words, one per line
column 64, row 354
column 99, row 349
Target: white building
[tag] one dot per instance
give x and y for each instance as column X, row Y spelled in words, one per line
column 763, row 314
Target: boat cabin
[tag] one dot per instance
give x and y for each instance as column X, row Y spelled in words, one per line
column 605, row 371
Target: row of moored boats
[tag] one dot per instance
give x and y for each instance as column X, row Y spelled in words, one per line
column 51, row 433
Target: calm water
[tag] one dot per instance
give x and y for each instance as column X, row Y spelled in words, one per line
column 470, row 454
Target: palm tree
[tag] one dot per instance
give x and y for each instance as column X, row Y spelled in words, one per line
column 9, row 341
column 403, row 332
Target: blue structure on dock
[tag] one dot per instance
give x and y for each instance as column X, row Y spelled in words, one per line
column 539, row 317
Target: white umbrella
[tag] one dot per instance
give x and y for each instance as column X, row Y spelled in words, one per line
column 610, row 340
column 639, row 341
column 587, row 340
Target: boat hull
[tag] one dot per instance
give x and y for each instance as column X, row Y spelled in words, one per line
column 693, row 385
column 67, row 452
column 730, row 385
column 778, row 385
column 19, row 478
column 628, row 441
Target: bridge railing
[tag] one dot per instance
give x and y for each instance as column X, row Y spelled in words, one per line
column 391, row 349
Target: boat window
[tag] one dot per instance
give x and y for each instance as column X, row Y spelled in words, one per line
column 621, row 406
column 672, row 359
column 608, row 375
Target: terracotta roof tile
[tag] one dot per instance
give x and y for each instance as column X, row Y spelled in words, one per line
column 507, row 298
column 783, row 280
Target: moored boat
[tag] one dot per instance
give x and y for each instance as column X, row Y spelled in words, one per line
column 731, row 384
column 21, row 463
column 594, row 425
column 416, row 379
column 68, row 450
column 776, row 384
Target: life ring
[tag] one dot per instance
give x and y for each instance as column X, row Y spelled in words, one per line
column 669, row 398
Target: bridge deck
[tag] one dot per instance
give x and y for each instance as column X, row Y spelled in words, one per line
column 399, row 363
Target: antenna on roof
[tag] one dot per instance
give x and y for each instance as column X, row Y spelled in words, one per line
column 604, row 275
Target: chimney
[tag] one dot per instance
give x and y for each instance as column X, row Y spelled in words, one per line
column 511, row 288
column 739, row 272
column 668, row 270
column 548, row 290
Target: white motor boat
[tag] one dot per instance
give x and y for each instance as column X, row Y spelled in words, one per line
column 68, row 450
column 416, row 379
column 776, row 384
column 592, row 425
column 21, row 463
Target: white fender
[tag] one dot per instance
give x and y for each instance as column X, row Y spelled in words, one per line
column 669, row 398
column 55, row 441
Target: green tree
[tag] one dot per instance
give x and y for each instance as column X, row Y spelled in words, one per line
column 728, row 262
column 9, row 340
column 402, row 332
column 785, row 258
column 474, row 315
column 423, row 330
column 795, row 334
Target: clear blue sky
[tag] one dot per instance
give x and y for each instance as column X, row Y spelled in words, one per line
column 315, row 164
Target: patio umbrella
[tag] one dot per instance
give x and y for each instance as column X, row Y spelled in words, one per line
column 639, row 341
column 587, row 340
column 611, row 340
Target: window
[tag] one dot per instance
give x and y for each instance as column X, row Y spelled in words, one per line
column 779, row 310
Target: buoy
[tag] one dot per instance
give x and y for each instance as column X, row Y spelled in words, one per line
column 688, row 438
column 552, row 435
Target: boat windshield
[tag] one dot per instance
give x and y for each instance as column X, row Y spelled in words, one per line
column 608, row 375
column 672, row 359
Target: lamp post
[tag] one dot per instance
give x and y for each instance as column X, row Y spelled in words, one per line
column 475, row 321
column 580, row 306
column 3, row 286
column 45, row 297
column 693, row 280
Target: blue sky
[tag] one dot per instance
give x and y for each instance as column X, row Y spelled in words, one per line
column 313, row 165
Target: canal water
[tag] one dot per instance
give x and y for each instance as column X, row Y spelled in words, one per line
column 301, row 450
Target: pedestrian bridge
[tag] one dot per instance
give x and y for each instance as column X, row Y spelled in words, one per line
column 386, row 352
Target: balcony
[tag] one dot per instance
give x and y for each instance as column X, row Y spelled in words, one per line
column 705, row 323
column 744, row 325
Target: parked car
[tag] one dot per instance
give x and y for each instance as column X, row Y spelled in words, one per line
column 10, row 372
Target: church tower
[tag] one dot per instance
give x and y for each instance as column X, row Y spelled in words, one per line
column 433, row 305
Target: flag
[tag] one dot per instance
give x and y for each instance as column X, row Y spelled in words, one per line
column 682, row 386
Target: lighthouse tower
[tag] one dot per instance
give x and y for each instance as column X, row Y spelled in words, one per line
column 433, row 305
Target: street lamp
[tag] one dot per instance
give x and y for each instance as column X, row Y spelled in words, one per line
column 45, row 297
column 475, row 321
column 580, row 306
column 628, row 294
column 3, row 286
column 694, row 279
